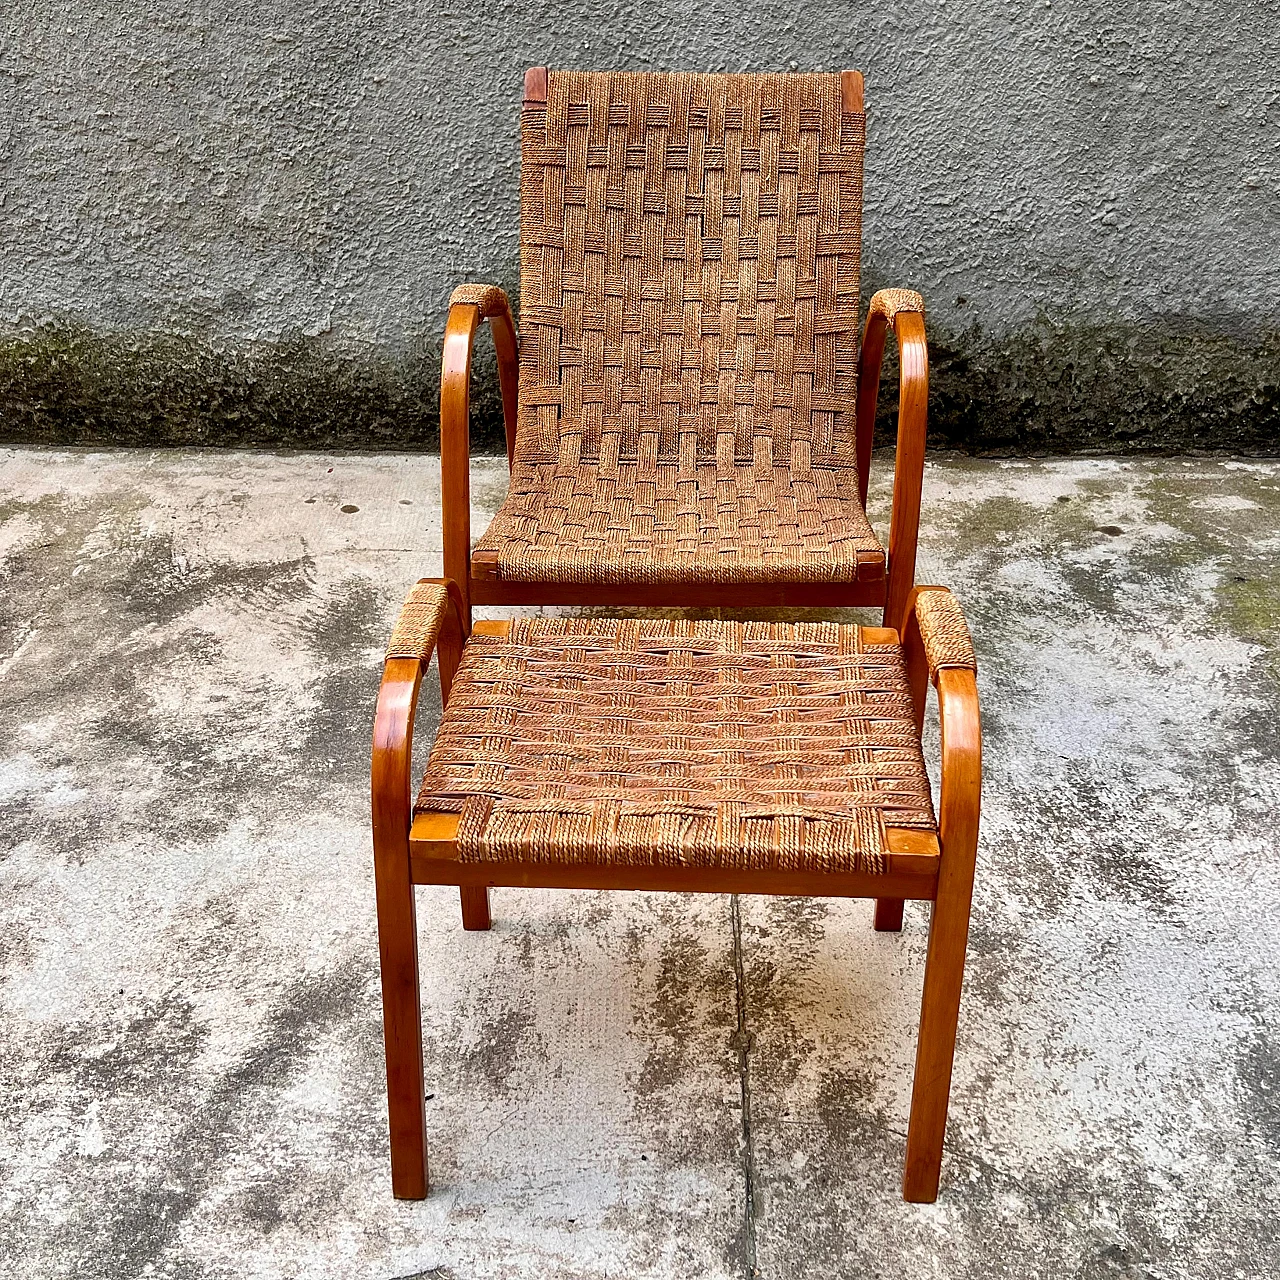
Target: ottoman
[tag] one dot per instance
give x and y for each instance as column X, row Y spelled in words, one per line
column 690, row 756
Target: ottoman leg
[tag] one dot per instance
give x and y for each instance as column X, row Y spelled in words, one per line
column 935, row 1051
column 401, row 1023
column 940, row 1011
column 888, row 915
column 475, row 906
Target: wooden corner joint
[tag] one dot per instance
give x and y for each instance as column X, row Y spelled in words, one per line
column 535, row 85
column 851, row 91
column 871, row 566
column 484, row 564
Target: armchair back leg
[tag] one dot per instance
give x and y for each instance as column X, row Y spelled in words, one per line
column 475, row 907
column 888, row 915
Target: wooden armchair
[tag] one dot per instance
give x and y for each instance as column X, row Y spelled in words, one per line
column 688, row 410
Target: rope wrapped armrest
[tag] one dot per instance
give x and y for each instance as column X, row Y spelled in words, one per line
column 418, row 627
column 488, row 297
column 888, row 302
column 943, row 630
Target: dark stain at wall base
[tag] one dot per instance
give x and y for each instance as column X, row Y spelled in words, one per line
column 62, row 384
column 1053, row 387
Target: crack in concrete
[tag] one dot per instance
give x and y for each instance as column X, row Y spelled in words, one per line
column 742, row 1039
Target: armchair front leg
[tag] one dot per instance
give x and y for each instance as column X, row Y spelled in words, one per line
column 467, row 307
column 430, row 620
column 904, row 311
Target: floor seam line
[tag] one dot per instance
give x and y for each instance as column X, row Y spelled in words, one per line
column 742, row 1039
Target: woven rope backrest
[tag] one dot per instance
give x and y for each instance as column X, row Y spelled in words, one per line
column 689, row 270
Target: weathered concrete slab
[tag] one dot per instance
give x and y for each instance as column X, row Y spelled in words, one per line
column 189, row 1025
column 1115, row 1104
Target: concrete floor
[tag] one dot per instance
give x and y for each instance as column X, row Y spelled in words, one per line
column 189, row 1017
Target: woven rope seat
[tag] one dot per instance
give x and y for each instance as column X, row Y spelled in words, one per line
column 690, row 251
column 788, row 746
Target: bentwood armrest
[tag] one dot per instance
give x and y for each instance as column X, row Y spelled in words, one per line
column 939, row 650
column 903, row 311
column 432, row 619
column 953, row 669
column 469, row 305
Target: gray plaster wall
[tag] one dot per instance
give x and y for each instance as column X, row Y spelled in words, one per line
column 231, row 222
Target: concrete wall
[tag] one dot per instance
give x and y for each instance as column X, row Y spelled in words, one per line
column 225, row 221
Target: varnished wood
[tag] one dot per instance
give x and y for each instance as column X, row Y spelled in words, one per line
column 888, row 914
column 453, row 635
column 484, row 567
column 506, row 345
column 475, row 907
column 455, row 426
column 888, row 917
column 535, row 84
column 455, row 444
column 910, row 876
column 870, row 358
column 919, row 866
column 851, row 90
column 917, row 664
column 908, row 470
column 959, row 805
column 392, row 808
column 796, row 595
column 397, row 926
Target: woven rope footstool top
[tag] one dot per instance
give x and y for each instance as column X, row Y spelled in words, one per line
column 787, row 746
column 689, row 264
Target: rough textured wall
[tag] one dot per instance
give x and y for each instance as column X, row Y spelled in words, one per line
column 232, row 222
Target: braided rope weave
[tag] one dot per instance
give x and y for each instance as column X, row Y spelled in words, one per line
column 947, row 642
column 888, row 302
column 735, row 745
column 418, row 626
column 690, row 252
column 488, row 297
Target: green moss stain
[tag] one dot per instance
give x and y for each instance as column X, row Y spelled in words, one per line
column 1063, row 387
column 65, row 385
column 1230, row 526
column 1052, row 388
column 1253, row 607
